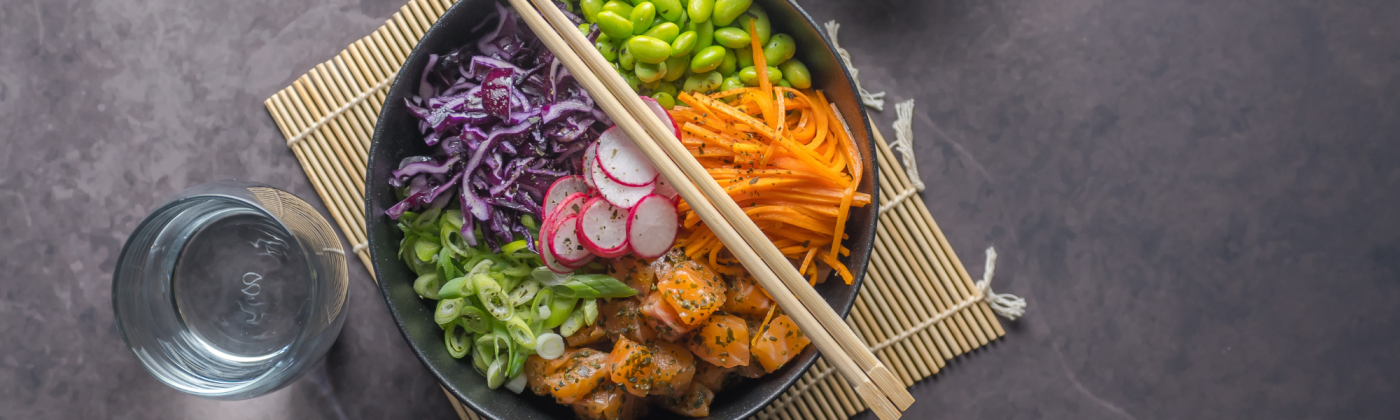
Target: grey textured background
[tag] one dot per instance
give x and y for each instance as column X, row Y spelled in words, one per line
column 1199, row 199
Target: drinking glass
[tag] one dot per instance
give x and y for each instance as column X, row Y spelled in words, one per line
column 230, row 290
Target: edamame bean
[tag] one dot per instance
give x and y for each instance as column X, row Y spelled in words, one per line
column 632, row 80
column 731, row 83
column 700, row 9
column 707, row 59
column 591, row 9
column 684, row 43
column 731, row 37
column 649, row 50
column 750, row 76
column 625, row 59
column 666, row 32
column 642, row 15
column 607, row 47
column 675, row 67
column 796, row 73
column 759, row 17
column 650, row 72
column 727, row 10
column 784, row 83
column 666, row 88
column 665, row 99
column 704, row 33
column 669, row 9
column 703, row 82
column 615, row 6
column 779, row 49
column 744, row 57
column 684, row 20
column 614, row 24
column 730, row 63
column 584, row 27
column 649, row 87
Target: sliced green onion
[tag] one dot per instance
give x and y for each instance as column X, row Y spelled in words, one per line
column 480, row 266
column 559, row 310
column 517, row 361
column 589, row 286
column 520, row 332
column 524, row 293
column 528, row 221
column 458, row 287
column 572, row 325
column 495, row 374
column 474, row 320
column 481, row 359
column 425, row 250
column 510, row 248
column 516, row 384
column 448, row 310
column 516, row 271
column 492, row 298
column 548, row 277
column 427, row 285
column 549, row 346
column 458, row 341
column 590, row 311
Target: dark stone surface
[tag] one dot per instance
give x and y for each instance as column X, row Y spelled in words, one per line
column 1198, row 199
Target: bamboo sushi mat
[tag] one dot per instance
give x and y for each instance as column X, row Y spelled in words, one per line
column 917, row 310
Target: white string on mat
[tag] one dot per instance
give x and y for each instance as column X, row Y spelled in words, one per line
column 359, row 247
column 326, row 119
column 1007, row 305
column 871, row 99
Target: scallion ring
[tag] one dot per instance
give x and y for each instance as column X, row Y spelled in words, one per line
column 448, row 310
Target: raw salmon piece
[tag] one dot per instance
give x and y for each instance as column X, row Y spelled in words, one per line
column 675, row 368
column 723, row 341
column 744, row 297
column 632, row 366
column 663, row 318
column 584, row 371
column 695, row 402
column 780, row 342
column 694, row 290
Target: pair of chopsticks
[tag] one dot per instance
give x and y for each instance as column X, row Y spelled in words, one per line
column 869, row 377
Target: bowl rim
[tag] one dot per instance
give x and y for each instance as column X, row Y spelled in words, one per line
column 418, row 54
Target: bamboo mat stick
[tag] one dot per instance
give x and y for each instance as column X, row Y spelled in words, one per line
column 623, row 114
column 730, row 211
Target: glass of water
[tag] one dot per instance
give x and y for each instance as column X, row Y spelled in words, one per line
column 231, row 290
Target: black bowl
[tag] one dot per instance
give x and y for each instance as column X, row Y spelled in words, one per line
column 396, row 136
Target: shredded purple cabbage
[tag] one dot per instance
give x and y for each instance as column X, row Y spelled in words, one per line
column 505, row 120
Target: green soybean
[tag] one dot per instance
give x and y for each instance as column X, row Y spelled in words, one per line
column 750, row 76
column 649, row 87
column 700, row 9
column 675, row 67
column 684, row 43
column 591, row 9
column 625, row 58
column 703, row 82
column 669, row 9
column 665, row 99
column 784, row 83
column 779, row 49
column 727, row 10
column 666, row 31
column 607, row 47
column 642, row 15
column 796, row 73
column 730, row 64
column 632, row 80
column 707, row 59
column 731, row 83
column 649, row 50
column 615, row 6
column 731, row 37
column 704, row 33
column 584, row 28
column 650, row 72
column 667, row 88
column 745, row 57
column 759, row 17
column 614, row 25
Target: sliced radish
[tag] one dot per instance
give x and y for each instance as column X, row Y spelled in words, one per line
column 549, row 261
column 571, row 205
column 661, row 113
column 564, row 243
column 622, row 161
column 590, row 158
column 603, row 228
column 619, row 195
column 663, row 187
column 652, row 226
column 561, row 188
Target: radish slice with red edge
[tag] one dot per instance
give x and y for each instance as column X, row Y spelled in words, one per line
column 664, row 188
column 571, row 205
column 619, row 195
column 561, row 189
column 603, row 228
column 550, row 262
column 590, row 158
column 564, row 243
column 622, row 161
column 652, row 226
column 661, row 113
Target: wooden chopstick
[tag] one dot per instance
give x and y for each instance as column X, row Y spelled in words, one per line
column 832, row 336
